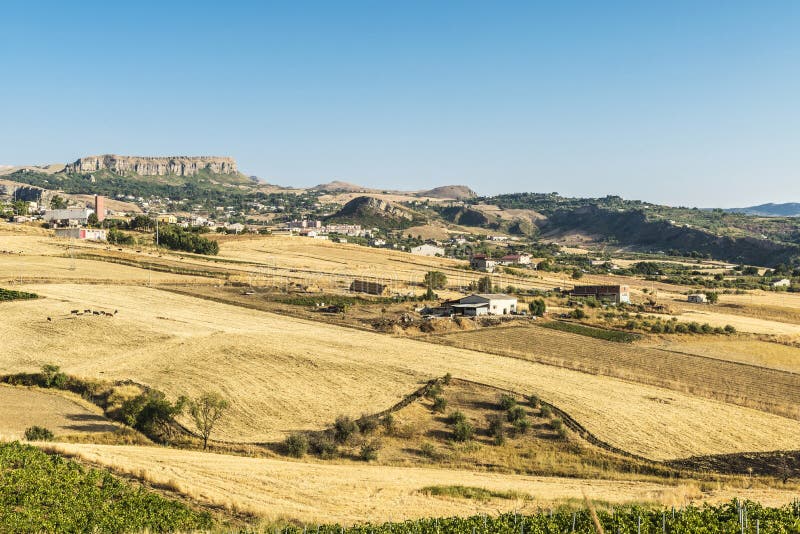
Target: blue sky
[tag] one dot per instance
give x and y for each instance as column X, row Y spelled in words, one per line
column 680, row 102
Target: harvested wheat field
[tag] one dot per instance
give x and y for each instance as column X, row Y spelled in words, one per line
column 324, row 257
column 59, row 412
column 39, row 259
column 749, row 351
column 283, row 373
column 313, row 492
column 766, row 389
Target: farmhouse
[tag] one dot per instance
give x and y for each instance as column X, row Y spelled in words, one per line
column 785, row 282
column 481, row 262
column 428, row 250
column 91, row 234
column 697, row 298
column 372, row 288
column 484, row 304
column 516, row 259
column 615, row 294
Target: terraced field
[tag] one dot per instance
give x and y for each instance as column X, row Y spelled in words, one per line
column 283, row 374
column 766, row 389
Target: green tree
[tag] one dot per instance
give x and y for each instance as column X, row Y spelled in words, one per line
column 206, row 410
column 712, row 297
column 20, row 207
column 58, row 203
column 485, row 284
column 435, row 280
column 537, row 307
column 92, row 220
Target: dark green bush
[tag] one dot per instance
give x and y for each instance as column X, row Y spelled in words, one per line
column 296, row 445
column 439, row 404
column 38, row 433
column 506, row 402
column 344, row 428
column 463, row 431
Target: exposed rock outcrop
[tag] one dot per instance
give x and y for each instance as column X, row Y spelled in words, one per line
column 154, row 166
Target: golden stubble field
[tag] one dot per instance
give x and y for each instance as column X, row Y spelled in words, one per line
column 348, row 493
column 62, row 413
column 283, row 374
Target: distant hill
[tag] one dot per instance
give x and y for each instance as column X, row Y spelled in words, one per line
column 789, row 209
column 458, row 192
column 339, row 186
column 370, row 211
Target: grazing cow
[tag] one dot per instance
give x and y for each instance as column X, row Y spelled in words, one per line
column 49, row 319
column 75, row 312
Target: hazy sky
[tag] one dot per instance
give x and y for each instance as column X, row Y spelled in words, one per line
column 683, row 102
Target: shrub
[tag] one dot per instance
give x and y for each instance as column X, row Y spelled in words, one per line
column 434, row 391
column 344, row 428
column 296, row 445
column 369, row 450
column 533, row 401
column 515, row 414
column 730, row 329
column 497, row 429
column 324, row 446
column 38, row 433
column 521, row 426
column 447, row 379
column 507, row 402
column 546, row 411
column 53, row 377
column 428, row 450
column 681, row 328
column 368, row 424
column 577, row 313
column 439, row 404
column 463, row 431
column 388, row 423
column 556, row 424
column 456, row 417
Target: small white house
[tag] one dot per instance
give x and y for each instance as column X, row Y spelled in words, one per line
column 697, row 298
column 486, row 304
column 785, row 282
column 427, row 250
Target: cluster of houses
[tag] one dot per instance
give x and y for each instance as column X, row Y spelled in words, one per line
column 319, row 229
column 485, row 263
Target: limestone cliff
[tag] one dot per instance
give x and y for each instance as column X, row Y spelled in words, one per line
column 154, row 166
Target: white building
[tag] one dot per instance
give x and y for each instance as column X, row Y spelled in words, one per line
column 69, row 216
column 486, row 304
column 785, row 282
column 427, row 250
column 697, row 298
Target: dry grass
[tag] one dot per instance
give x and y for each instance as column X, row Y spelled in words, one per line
column 283, row 374
column 738, row 349
column 761, row 388
column 34, row 258
column 60, row 412
column 313, row 492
